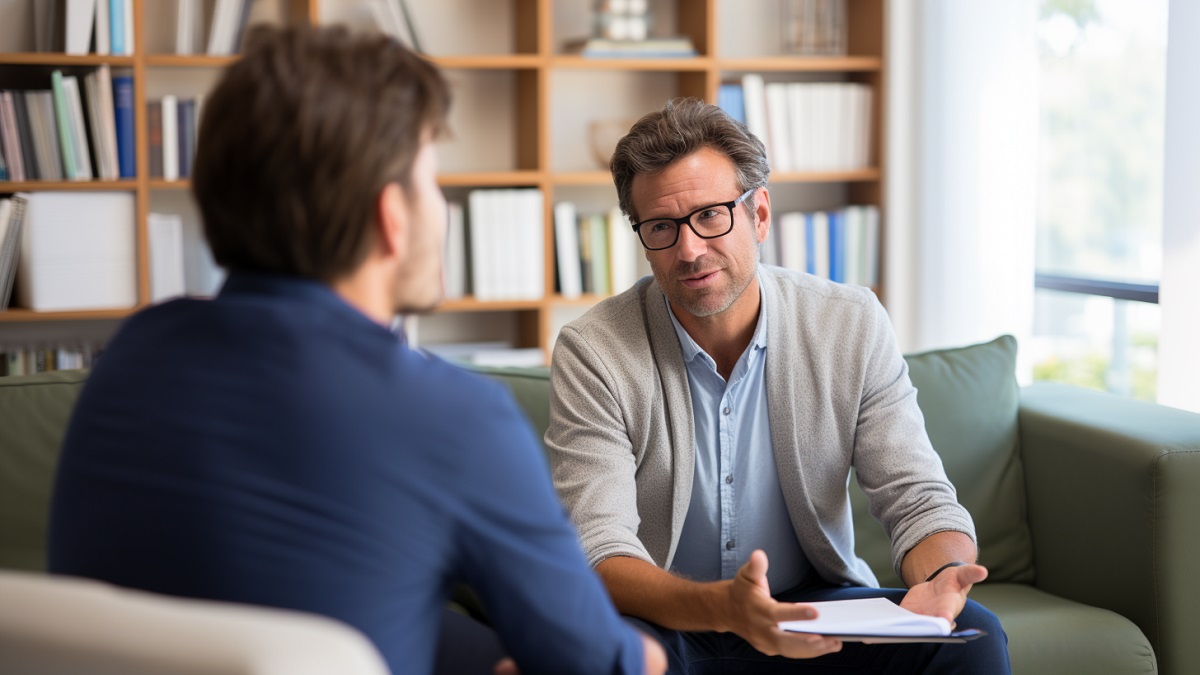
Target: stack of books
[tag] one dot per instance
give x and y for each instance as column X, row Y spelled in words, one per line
column 595, row 253
column 841, row 245
column 81, row 26
column 171, row 123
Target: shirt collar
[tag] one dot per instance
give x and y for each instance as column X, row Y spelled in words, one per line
column 301, row 289
column 691, row 350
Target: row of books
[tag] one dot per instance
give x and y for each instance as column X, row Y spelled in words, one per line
column 171, row 124
column 497, row 241
column 82, row 26
column 38, row 358
column 226, row 21
column 841, row 245
column 594, row 253
column 12, row 222
column 806, row 126
column 46, row 134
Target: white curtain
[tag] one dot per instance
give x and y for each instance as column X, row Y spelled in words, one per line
column 962, row 134
column 1179, row 340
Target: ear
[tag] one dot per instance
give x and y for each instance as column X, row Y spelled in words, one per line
column 762, row 214
column 392, row 218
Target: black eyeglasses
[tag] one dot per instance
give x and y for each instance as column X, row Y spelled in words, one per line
column 708, row 222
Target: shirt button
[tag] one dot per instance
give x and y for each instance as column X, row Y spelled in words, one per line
column 726, row 410
column 729, row 545
column 729, row 479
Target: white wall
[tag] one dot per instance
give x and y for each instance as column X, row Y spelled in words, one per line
column 1179, row 341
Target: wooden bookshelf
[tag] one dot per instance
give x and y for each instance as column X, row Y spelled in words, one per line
column 530, row 59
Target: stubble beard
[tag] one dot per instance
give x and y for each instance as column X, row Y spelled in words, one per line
column 694, row 302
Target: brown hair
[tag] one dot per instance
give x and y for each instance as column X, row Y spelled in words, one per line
column 682, row 127
column 298, row 139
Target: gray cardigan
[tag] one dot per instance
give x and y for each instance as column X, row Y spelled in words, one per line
column 622, row 439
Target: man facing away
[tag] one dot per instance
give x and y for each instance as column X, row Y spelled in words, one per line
column 704, row 423
column 278, row 445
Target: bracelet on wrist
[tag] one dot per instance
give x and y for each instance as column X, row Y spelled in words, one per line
column 956, row 563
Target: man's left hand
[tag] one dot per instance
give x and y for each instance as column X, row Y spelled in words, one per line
column 946, row 595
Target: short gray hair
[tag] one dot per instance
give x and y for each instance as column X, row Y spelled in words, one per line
column 683, row 126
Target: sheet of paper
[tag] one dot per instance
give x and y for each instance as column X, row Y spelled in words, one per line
column 873, row 616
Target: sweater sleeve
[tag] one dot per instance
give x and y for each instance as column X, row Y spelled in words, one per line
column 896, row 465
column 592, row 457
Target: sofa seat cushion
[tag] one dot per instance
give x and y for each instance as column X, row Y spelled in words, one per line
column 970, row 399
column 1048, row 635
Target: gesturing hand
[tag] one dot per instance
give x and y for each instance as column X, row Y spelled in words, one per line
column 946, row 594
column 754, row 615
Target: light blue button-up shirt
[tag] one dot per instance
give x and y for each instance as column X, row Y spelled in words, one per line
column 737, row 505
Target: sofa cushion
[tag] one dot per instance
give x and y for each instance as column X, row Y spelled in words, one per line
column 969, row 397
column 34, row 410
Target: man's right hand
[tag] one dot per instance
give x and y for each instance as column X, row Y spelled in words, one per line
column 754, row 616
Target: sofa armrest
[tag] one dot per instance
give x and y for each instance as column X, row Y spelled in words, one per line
column 1114, row 500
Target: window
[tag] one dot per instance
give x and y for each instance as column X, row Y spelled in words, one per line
column 1099, row 202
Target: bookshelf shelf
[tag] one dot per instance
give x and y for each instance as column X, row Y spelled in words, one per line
column 53, row 59
column 847, row 64
column 473, row 305
column 70, row 185
column 177, row 61
column 162, row 184
column 491, row 179
column 851, row 176
column 499, row 62
column 698, row 64
column 26, row 315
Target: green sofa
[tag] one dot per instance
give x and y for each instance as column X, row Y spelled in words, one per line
column 1086, row 504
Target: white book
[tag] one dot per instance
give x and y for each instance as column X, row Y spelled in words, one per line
column 83, row 160
column 853, row 218
column 820, row 226
column 129, row 41
column 798, row 118
column 478, row 208
column 778, row 125
column 80, row 19
column 623, row 246
column 793, row 245
column 566, row 247
column 165, row 234
column 844, row 127
column 170, row 137
column 78, row 251
column 823, row 112
column 103, row 28
column 95, row 119
column 224, row 25
column 455, row 270
column 755, row 101
column 531, row 240
column 186, row 21
column 863, row 102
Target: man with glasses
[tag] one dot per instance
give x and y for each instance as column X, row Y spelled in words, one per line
column 705, row 421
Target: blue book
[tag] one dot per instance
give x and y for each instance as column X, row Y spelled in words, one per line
column 731, row 99
column 810, row 244
column 837, row 246
column 123, row 113
column 116, row 26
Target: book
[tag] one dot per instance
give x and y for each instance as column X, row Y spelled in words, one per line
column 170, row 137
column 165, row 235
column 98, row 87
column 566, row 249
column 63, row 126
column 45, row 133
column 103, row 30
column 33, row 168
column 455, row 270
column 154, row 137
column 187, row 23
column 186, row 128
column 116, row 26
column 755, row 101
column 876, row 620
column 778, row 127
column 12, row 222
column 623, row 250
column 83, row 151
column 12, row 141
column 729, row 99
column 122, row 91
column 80, row 19
column 650, row 48
column 78, row 251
